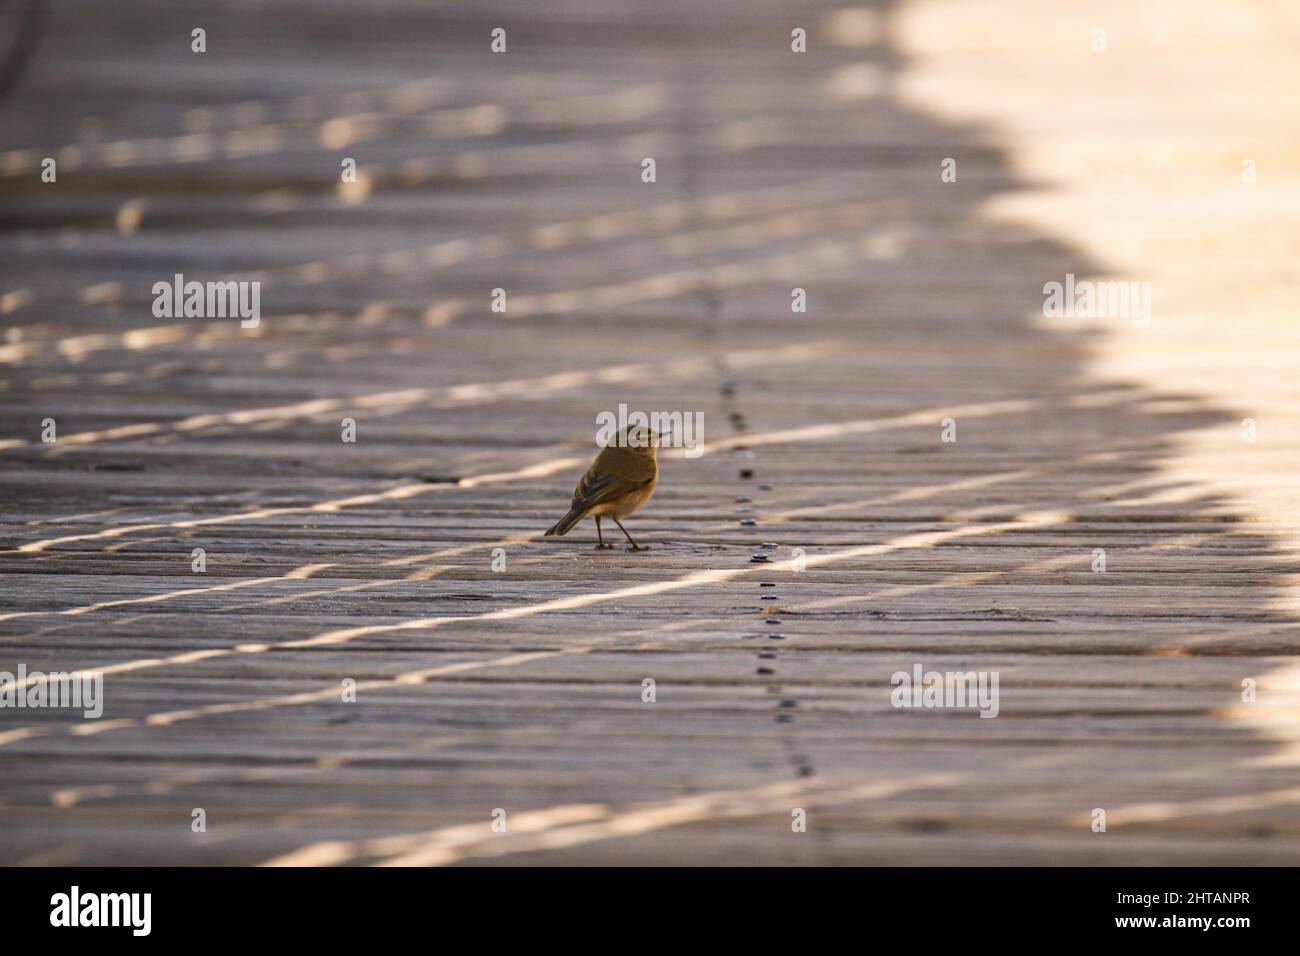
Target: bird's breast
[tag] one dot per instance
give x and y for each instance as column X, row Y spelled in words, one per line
column 633, row 500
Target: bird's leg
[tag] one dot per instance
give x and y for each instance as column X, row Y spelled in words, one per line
column 635, row 546
column 602, row 546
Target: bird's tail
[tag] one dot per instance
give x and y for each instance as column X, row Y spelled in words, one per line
column 565, row 524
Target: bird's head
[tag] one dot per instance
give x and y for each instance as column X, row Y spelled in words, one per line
column 642, row 440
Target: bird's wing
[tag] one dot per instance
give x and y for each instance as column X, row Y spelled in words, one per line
column 608, row 480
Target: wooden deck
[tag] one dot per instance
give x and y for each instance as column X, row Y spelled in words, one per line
column 522, row 689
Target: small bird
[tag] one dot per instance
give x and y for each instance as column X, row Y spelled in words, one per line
column 619, row 481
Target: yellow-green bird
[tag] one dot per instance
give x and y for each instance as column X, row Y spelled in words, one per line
column 620, row 480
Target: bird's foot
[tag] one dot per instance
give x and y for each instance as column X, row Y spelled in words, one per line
column 603, row 547
column 638, row 547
